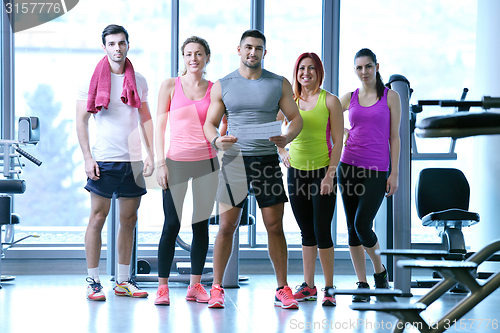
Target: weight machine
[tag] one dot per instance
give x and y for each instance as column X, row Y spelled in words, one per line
column 414, row 111
column 465, row 272
column 11, row 183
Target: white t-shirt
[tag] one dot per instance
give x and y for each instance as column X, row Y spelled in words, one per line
column 118, row 137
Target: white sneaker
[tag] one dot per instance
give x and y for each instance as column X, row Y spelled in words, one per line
column 130, row 288
column 94, row 290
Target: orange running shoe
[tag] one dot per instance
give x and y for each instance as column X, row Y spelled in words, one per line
column 284, row 298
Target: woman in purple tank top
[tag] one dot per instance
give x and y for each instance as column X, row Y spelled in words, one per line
column 369, row 164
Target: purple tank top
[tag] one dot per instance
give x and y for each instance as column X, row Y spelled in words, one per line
column 368, row 143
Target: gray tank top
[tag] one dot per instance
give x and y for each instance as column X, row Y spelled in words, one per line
column 251, row 102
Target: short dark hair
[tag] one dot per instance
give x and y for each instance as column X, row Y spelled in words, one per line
column 255, row 34
column 113, row 29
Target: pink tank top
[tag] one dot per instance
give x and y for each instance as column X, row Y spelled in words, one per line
column 368, row 143
column 186, row 118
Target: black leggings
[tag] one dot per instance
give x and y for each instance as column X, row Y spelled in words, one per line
column 362, row 192
column 313, row 211
column 204, row 185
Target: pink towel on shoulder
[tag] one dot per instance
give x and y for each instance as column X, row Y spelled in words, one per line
column 100, row 87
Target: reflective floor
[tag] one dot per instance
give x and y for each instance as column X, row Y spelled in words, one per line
column 49, row 303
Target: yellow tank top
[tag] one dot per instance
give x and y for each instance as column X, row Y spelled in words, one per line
column 311, row 149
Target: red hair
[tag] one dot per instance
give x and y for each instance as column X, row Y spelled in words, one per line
column 318, row 67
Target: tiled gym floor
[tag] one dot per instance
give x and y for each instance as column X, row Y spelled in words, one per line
column 50, row 303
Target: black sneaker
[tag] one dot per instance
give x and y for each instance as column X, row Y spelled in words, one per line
column 361, row 298
column 381, row 280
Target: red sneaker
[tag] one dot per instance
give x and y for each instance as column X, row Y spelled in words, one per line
column 285, row 299
column 304, row 293
column 162, row 297
column 329, row 299
column 197, row 293
column 216, row 297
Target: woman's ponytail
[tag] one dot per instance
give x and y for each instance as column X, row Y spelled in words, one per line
column 380, row 86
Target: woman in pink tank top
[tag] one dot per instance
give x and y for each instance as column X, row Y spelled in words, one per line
column 183, row 103
column 369, row 164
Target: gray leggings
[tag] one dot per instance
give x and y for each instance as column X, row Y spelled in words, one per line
column 204, row 184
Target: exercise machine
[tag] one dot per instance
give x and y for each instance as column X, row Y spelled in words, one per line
column 464, row 272
column 439, row 191
column 401, row 211
column 415, row 109
column 11, row 182
column 142, row 266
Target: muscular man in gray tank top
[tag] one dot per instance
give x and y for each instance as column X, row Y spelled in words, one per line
column 251, row 96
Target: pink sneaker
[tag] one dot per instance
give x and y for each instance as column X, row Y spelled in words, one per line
column 305, row 293
column 197, row 293
column 216, row 297
column 284, row 298
column 162, row 297
column 329, row 299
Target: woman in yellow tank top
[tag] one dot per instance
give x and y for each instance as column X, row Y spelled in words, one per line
column 312, row 161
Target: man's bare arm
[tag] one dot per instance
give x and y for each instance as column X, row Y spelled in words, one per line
column 291, row 112
column 146, row 125
column 214, row 116
column 82, row 131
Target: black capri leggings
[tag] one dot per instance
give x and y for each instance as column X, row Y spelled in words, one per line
column 362, row 192
column 204, row 174
column 313, row 211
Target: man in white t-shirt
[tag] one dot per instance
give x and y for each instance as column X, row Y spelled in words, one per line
column 114, row 165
